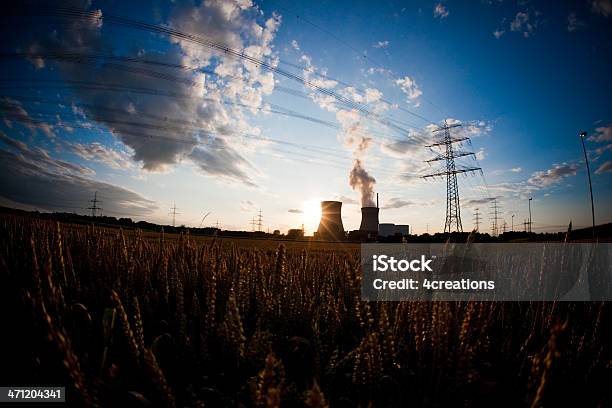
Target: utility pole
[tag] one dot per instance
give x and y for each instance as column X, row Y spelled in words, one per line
column 259, row 221
column 173, row 213
column 477, row 220
column 449, row 154
column 94, row 207
column 253, row 223
column 495, row 214
column 427, row 228
column 525, row 226
column 512, row 229
column 504, row 227
column 582, row 136
column 530, row 198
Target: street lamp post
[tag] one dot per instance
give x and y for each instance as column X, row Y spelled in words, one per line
column 582, row 136
column 512, row 223
column 530, row 198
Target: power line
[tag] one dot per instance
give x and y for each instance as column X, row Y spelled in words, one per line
column 109, row 18
column 319, row 150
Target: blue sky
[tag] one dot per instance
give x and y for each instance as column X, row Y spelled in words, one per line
column 149, row 118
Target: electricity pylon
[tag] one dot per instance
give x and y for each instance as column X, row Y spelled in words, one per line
column 449, row 154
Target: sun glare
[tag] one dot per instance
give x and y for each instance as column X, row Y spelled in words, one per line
column 311, row 215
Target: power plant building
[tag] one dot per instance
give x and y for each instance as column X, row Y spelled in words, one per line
column 369, row 220
column 330, row 227
column 390, row 230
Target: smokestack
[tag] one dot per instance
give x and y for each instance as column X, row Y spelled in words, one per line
column 330, row 227
column 369, row 220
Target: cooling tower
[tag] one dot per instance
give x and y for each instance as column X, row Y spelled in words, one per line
column 369, row 220
column 330, row 227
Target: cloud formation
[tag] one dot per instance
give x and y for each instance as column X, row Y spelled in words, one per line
column 381, row 44
column 602, row 7
column 395, row 202
column 542, row 179
column 605, row 167
column 96, row 151
column 573, row 23
column 480, row 201
column 15, row 112
column 524, row 22
column 440, row 11
column 197, row 103
column 602, row 134
column 31, row 178
column 409, row 87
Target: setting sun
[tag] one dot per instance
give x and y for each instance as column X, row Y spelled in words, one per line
column 311, row 215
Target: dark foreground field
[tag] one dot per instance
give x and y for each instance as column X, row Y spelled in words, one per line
column 135, row 320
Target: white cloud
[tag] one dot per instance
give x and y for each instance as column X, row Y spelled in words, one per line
column 603, row 149
column 480, row 154
column 516, row 169
column 295, row 45
column 498, row 33
column 605, row 167
column 381, row 44
column 15, row 112
column 525, row 22
column 602, row 134
column 410, row 88
column 542, row 179
column 98, row 152
column 573, row 23
column 440, row 11
column 378, row 70
column 208, row 103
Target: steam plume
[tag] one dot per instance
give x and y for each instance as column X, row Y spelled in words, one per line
column 360, row 179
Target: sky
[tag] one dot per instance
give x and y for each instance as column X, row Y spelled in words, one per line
column 229, row 107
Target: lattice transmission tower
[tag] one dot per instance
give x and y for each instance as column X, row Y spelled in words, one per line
column 449, row 154
column 477, row 220
column 259, row 221
column 94, row 206
column 173, row 213
column 495, row 218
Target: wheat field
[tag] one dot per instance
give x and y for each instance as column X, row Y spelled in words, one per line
column 133, row 319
